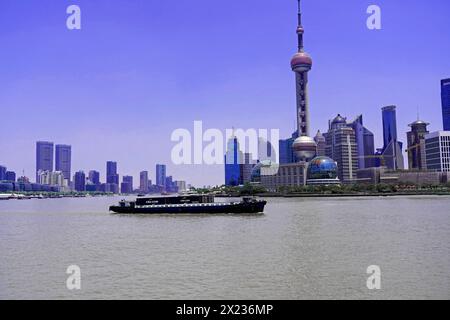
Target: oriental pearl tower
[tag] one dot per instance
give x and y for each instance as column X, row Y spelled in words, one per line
column 304, row 146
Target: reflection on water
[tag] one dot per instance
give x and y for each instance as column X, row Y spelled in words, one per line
column 299, row 249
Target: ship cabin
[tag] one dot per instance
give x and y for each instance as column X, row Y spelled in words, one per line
column 188, row 199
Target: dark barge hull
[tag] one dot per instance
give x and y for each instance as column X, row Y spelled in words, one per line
column 238, row 208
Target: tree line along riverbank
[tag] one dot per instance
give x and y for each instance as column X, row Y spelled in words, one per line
column 329, row 191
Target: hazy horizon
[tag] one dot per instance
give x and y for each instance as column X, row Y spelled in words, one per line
column 138, row 70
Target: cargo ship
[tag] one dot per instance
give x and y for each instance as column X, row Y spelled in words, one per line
column 189, row 204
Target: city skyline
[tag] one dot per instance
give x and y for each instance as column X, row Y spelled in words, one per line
column 361, row 83
column 53, row 167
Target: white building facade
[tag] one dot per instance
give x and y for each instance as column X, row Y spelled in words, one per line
column 437, row 149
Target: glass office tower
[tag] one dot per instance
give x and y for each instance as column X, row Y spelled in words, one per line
column 143, row 185
column 44, row 157
column 233, row 159
column 389, row 125
column 445, row 94
column 111, row 173
column 80, row 181
column 161, row 174
column 392, row 151
column 63, row 159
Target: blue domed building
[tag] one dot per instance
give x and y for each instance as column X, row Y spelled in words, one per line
column 322, row 171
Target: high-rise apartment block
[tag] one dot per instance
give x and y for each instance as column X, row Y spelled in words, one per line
column 44, row 157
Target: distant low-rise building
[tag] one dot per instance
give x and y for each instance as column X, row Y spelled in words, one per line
column 383, row 175
column 181, row 185
column 7, row 176
column 272, row 177
column 127, row 185
column 10, row 176
column 108, row 188
column 90, row 187
column 126, row 188
column 49, row 178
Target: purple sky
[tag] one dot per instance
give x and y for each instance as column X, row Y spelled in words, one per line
column 139, row 69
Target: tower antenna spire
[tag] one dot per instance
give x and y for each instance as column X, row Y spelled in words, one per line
column 300, row 29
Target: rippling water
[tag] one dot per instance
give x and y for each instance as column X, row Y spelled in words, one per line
column 300, row 249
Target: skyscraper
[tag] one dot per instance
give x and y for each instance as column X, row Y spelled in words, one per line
column 246, row 168
column 416, row 145
column 143, row 185
column 80, row 181
column 304, row 146
column 437, row 146
column 2, row 173
column 445, row 95
column 286, row 152
column 392, row 148
column 341, row 147
column 365, row 142
column 321, row 143
column 63, row 160
column 128, row 179
column 389, row 125
column 44, row 157
column 127, row 185
column 170, row 185
column 111, row 173
column 94, row 177
column 233, row 161
column 161, row 176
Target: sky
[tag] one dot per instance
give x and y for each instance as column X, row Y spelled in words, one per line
column 140, row 69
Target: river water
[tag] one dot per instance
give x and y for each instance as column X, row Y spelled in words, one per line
column 299, row 249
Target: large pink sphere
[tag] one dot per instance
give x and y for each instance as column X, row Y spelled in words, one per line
column 301, row 62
